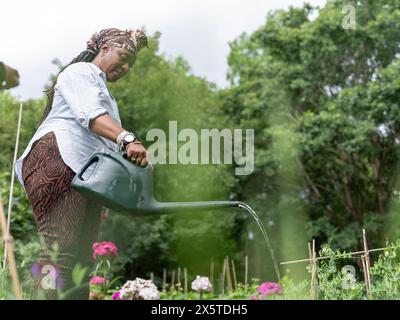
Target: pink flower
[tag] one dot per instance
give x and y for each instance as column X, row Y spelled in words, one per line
column 96, row 281
column 116, row 295
column 267, row 288
column 104, row 250
column 254, row 298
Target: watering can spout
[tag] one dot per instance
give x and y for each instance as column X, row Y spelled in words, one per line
column 169, row 207
column 118, row 184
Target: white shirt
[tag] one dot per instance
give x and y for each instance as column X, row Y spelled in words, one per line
column 81, row 94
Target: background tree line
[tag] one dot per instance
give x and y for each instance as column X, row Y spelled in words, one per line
column 324, row 103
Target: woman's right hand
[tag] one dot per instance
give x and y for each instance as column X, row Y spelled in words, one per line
column 137, row 154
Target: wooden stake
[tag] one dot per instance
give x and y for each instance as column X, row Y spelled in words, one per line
column 246, row 271
column 367, row 264
column 234, row 274
column 185, row 280
column 212, row 275
column 314, row 271
column 364, row 267
column 164, row 280
column 10, row 200
column 228, row 275
column 172, row 280
column 310, row 254
column 9, row 244
column 178, row 283
column 223, row 280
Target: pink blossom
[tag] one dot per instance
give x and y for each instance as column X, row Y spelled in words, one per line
column 96, row 281
column 104, row 250
column 254, row 298
column 267, row 288
column 116, row 295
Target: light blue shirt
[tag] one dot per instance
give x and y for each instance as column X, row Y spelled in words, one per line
column 81, row 94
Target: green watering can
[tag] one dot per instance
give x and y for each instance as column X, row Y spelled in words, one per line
column 121, row 185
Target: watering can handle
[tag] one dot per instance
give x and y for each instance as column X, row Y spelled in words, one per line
column 84, row 168
column 124, row 154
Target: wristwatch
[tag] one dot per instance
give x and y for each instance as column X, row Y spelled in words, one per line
column 124, row 138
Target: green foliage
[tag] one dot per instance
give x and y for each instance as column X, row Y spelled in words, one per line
column 336, row 92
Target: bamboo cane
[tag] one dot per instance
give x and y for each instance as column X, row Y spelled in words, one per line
column 9, row 243
column 223, row 280
column 246, row 270
column 185, row 280
column 164, row 280
column 364, row 267
column 178, row 283
column 314, row 270
column 172, row 280
column 10, row 200
column 228, row 275
column 234, row 274
column 212, row 275
column 367, row 264
column 310, row 254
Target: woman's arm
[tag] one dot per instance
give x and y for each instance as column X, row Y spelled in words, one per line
column 106, row 127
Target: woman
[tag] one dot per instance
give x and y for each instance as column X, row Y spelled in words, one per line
column 81, row 115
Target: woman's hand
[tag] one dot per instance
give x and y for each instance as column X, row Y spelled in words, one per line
column 137, row 154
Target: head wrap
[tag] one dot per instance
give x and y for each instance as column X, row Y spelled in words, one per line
column 131, row 40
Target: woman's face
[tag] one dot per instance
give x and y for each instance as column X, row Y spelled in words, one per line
column 116, row 62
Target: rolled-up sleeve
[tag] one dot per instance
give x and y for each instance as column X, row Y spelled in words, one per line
column 83, row 93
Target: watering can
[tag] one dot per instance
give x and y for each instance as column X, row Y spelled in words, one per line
column 120, row 185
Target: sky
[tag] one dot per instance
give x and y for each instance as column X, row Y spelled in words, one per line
column 33, row 33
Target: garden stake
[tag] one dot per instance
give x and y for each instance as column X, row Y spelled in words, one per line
column 223, row 280
column 9, row 243
column 10, row 200
column 246, row 270
column 314, row 271
column 234, row 274
column 367, row 266
column 310, row 254
column 364, row 267
column 164, row 280
column 228, row 275
column 178, row 283
column 172, row 281
column 212, row 275
column 185, row 280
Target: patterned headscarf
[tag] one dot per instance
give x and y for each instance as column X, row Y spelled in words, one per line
column 131, row 40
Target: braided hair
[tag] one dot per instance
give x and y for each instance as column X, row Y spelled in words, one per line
column 85, row 56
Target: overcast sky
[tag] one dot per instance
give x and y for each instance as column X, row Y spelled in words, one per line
column 33, row 33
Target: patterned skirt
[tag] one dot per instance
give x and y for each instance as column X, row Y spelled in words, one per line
column 67, row 222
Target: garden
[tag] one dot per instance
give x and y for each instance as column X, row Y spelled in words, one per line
column 323, row 199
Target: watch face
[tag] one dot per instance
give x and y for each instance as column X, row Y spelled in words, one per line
column 129, row 138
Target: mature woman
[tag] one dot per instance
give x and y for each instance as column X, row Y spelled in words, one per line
column 81, row 115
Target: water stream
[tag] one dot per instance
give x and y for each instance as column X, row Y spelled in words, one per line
column 264, row 232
